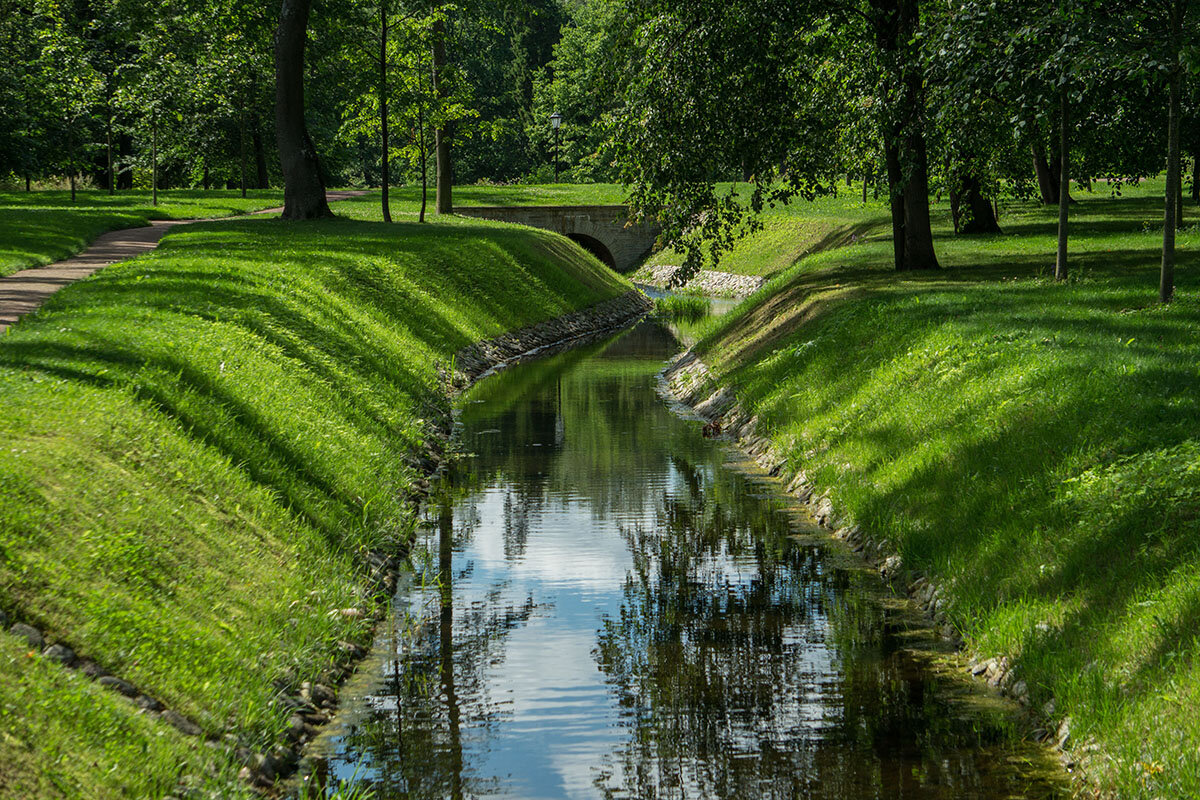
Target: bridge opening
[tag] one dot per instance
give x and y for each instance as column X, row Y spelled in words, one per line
column 595, row 247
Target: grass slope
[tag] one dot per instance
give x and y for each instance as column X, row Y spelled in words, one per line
column 1034, row 446
column 41, row 227
column 202, row 444
column 793, row 232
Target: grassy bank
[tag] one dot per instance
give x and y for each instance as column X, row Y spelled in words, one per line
column 1031, row 445
column 791, row 233
column 202, row 445
column 41, row 227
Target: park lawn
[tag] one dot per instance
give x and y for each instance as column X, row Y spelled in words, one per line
column 1033, row 446
column 202, row 445
column 45, row 226
column 407, row 199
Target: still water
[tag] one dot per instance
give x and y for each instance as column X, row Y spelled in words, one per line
column 611, row 606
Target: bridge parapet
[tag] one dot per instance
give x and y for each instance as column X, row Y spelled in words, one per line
column 604, row 231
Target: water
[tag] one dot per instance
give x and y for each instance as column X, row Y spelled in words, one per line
column 614, row 607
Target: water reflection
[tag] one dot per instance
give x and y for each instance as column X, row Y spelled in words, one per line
column 611, row 609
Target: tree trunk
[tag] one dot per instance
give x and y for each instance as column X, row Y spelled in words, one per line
column 303, row 188
column 1047, row 182
column 895, row 25
column 384, row 172
column 154, row 158
column 242, row 149
column 896, row 196
column 260, row 156
column 1064, row 185
column 918, row 235
column 422, row 146
column 108, row 148
column 980, row 217
column 204, row 182
column 1166, row 282
column 444, row 204
column 72, row 184
column 28, row 183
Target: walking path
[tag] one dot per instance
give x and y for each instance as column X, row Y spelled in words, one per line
column 25, row 291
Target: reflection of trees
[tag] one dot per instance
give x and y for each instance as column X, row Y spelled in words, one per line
column 436, row 682
column 745, row 667
column 585, row 428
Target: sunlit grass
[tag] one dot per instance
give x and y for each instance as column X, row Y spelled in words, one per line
column 1031, row 444
column 45, row 226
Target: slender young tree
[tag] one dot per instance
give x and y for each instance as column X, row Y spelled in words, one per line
column 303, row 186
column 1172, row 205
column 444, row 204
column 1064, row 182
column 384, row 154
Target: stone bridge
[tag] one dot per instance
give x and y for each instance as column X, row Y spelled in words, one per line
column 604, row 231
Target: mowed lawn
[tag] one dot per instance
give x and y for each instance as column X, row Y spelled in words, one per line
column 44, row 226
column 1033, row 445
column 201, row 448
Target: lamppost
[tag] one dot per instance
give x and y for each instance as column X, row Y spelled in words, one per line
column 555, row 122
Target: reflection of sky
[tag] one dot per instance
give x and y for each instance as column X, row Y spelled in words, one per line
column 558, row 716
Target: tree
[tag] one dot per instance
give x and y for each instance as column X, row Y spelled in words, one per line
column 304, row 188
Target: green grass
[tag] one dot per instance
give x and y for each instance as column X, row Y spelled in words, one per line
column 42, row 227
column 689, row 308
column 407, row 199
column 200, row 445
column 792, row 232
column 1035, row 446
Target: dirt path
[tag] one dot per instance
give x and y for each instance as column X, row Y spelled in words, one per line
column 25, row 291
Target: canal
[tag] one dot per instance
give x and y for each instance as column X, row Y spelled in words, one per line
column 605, row 604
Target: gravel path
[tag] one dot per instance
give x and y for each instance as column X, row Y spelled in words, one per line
column 25, row 291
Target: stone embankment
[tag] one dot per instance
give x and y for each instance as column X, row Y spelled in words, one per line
column 688, row 380
column 707, row 281
column 492, row 355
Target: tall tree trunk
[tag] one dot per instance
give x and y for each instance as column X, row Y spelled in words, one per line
column 303, row 187
column 204, row 182
column 1064, row 185
column 980, row 217
column 896, row 199
column 1196, row 177
column 242, row 148
column 895, row 25
column 1166, row 281
column 28, row 183
column 384, row 172
column 444, row 204
column 1047, row 182
column 72, row 184
column 154, row 158
column 108, row 148
column 422, row 145
column 260, row 155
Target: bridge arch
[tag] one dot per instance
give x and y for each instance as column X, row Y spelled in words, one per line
column 604, row 231
column 596, row 247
